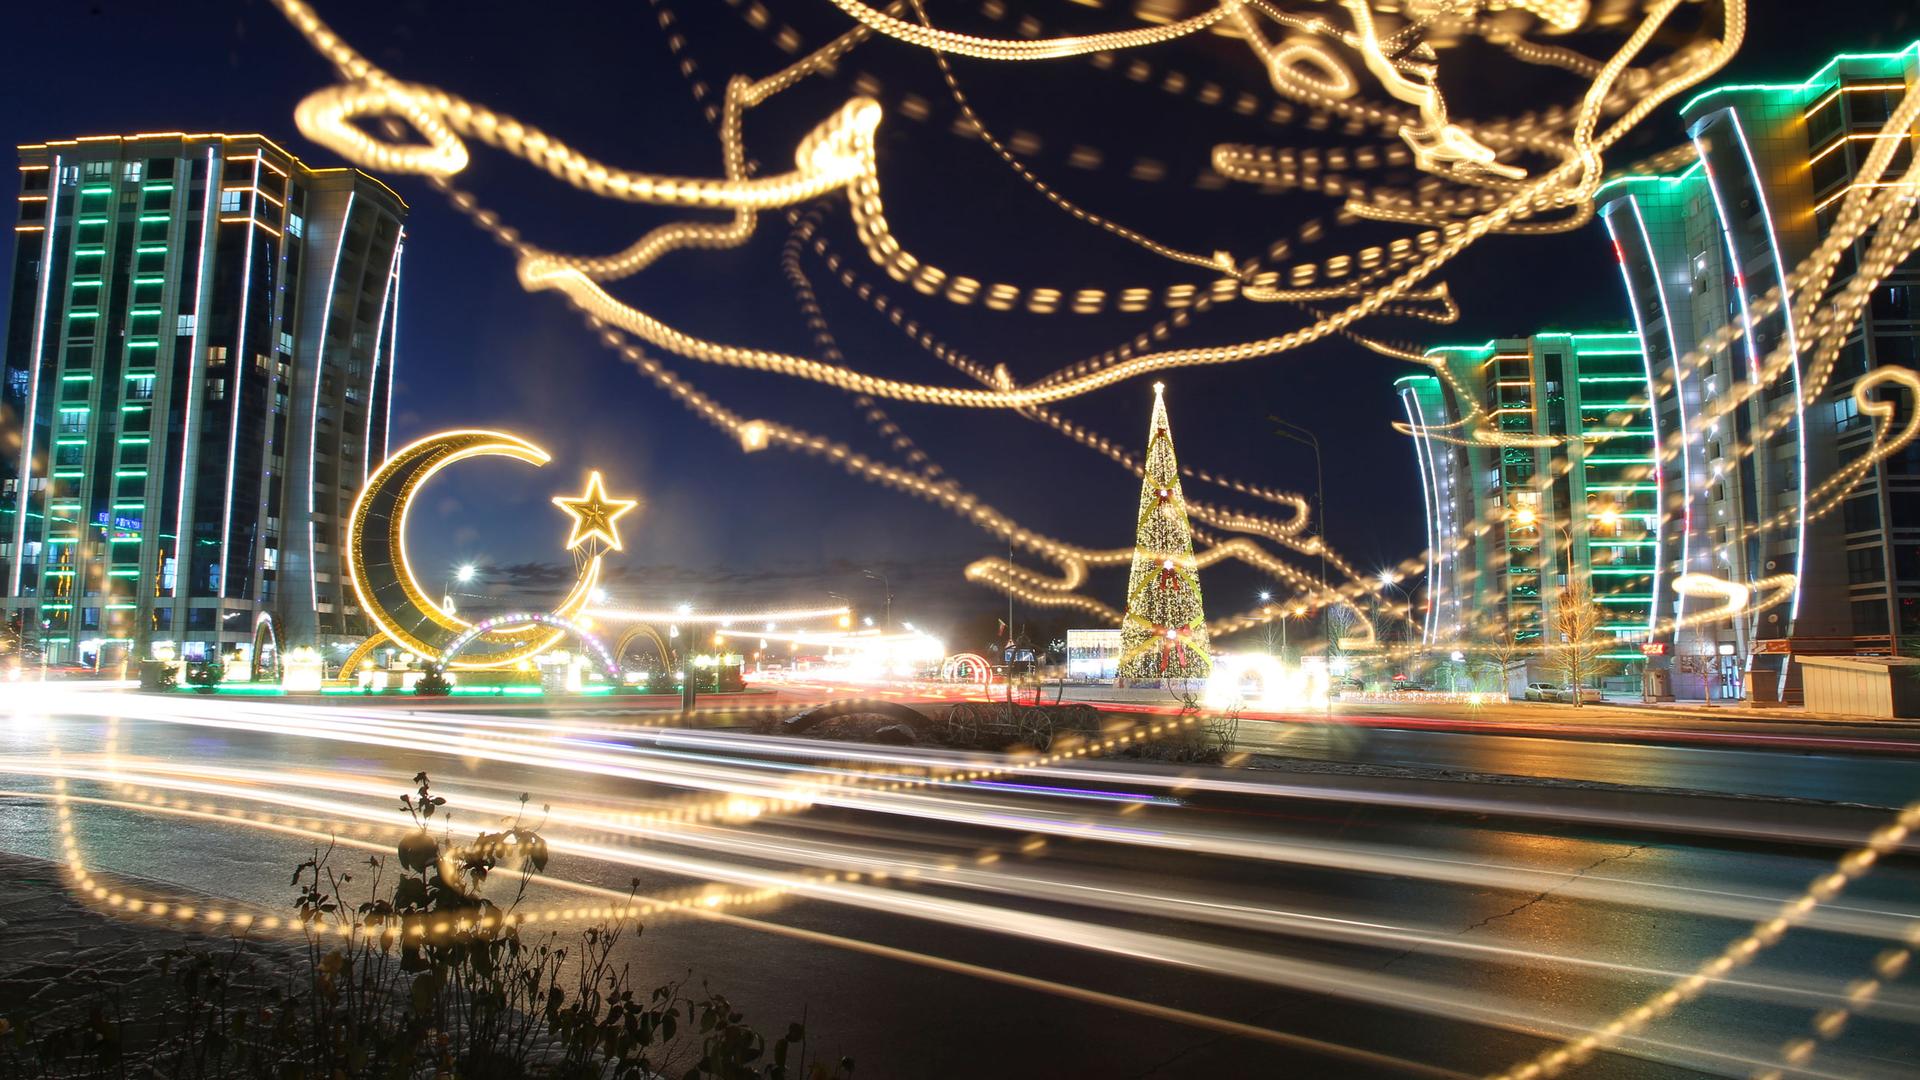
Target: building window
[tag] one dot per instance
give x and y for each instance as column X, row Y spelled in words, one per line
column 140, row 388
column 1861, row 514
column 99, row 170
column 230, row 201
column 1870, row 617
column 270, row 558
column 133, row 171
column 1865, row 565
column 296, row 225
column 184, row 325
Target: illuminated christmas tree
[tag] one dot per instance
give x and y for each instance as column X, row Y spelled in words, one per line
column 1164, row 635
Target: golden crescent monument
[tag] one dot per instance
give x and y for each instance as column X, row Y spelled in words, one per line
column 383, row 577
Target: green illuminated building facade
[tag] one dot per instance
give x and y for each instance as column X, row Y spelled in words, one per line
column 198, row 369
column 1698, row 251
column 1564, row 487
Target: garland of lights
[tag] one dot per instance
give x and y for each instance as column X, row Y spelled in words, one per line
column 849, row 135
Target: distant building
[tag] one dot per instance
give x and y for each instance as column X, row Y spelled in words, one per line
column 198, row 369
column 1572, row 492
column 1093, row 654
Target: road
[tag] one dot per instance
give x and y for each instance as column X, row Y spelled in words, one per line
column 939, row 914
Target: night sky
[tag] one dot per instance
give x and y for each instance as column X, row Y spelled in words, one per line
column 720, row 528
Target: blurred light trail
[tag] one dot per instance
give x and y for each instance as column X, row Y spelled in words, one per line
column 938, row 838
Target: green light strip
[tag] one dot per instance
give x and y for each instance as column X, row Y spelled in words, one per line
column 1817, row 77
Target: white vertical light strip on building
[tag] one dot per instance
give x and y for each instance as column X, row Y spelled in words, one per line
column 1793, row 347
column 1416, row 416
column 319, row 367
column 1680, row 403
column 239, row 374
column 1653, row 403
column 1754, row 360
column 209, row 216
column 33, row 372
column 387, row 299
column 393, row 357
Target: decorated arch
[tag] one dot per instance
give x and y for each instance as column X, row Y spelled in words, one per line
column 558, row 623
column 966, row 667
column 265, row 664
column 649, row 634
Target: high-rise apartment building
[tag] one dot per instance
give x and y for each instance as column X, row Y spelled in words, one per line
column 198, row 370
column 1699, row 251
column 1559, row 486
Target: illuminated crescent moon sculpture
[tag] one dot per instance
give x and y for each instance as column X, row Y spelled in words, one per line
column 383, row 577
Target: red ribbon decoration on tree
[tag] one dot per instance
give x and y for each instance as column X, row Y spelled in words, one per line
column 1174, row 641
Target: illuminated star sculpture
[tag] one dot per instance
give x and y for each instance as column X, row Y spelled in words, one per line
column 594, row 514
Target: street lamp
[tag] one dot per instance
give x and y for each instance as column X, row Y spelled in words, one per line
column 887, row 588
column 1296, row 433
column 465, row 573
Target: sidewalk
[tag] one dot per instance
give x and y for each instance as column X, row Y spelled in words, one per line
column 58, row 955
column 1781, row 729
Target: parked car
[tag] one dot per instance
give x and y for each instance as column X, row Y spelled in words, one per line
column 1542, row 691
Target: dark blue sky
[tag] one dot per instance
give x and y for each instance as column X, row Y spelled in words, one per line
column 721, row 527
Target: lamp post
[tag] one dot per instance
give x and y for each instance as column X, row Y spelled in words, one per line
column 887, row 588
column 465, row 573
column 1389, row 581
column 1305, row 437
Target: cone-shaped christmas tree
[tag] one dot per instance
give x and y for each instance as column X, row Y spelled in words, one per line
column 1165, row 632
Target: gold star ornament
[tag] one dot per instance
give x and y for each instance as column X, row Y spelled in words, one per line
column 594, row 514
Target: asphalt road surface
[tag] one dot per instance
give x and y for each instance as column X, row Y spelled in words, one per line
column 940, row 914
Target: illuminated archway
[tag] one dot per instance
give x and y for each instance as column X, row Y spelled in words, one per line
column 650, row 634
column 266, row 640
column 966, row 667
column 557, row 623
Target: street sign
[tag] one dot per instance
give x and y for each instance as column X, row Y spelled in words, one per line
column 1773, row 646
column 1654, row 648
